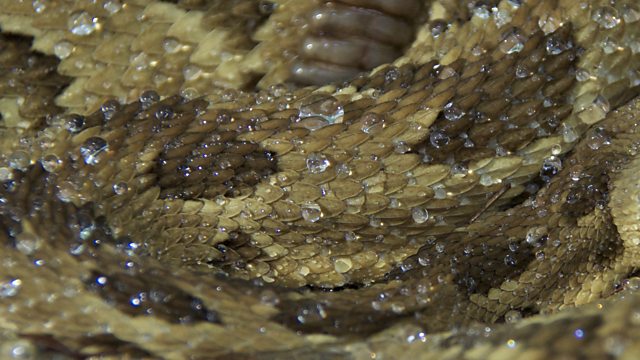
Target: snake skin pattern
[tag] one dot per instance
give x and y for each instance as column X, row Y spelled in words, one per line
column 166, row 193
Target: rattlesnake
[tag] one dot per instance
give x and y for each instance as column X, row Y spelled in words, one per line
column 482, row 178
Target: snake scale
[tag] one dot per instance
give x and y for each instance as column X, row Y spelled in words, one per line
column 477, row 198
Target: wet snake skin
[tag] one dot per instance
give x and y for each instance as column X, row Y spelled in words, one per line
column 168, row 193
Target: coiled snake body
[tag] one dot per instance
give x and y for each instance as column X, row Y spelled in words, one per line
column 459, row 203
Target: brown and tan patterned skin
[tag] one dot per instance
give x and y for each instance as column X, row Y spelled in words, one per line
column 164, row 196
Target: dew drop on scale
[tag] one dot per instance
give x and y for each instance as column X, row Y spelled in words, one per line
column 419, row 215
column 512, row 41
column 51, row 163
column 597, row 138
column 10, row 288
column 120, row 188
column 19, row 160
column 39, row 6
column 112, row 6
column 311, row 212
column 630, row 14
column 606, row 17
column 148, row 98
column 92, row 149
column 439, row 139
column 556, row 45
column 109, row 109
column 63, row 49
column 326, row 108
column 452, row 113
column 6, row 174
column 317, row 163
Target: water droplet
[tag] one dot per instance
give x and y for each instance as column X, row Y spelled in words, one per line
column 438, row 27
column 120, row 188
column 10, row 288
column 569, row 134
column 540, row 255
column 452, row 113
column 20, row 349
column 372, row 123
column 148, row 98
column 189, row 93
column 191, row 72
column 19, row 160
column 419, row 336
column 512, row 41
column 92, row 149
column 632, row 283
column 596, row 111
column 39, row 6
column 501, row 17
column 28, row 243
column 392, row 74
column 598, row 138
column 513, row 246
column 326, row 107
column 609, row 46
column 481, row 11
column 398, row 307
column 311, row 212
column 6, row 174
column 439, row 191
column 515, row 3
column 109, row 109
column 459, row 169
column 556, row 45
column 512, row 316
column 550, row 167
column 509, row 260
column 446, row 72
column 606, row 16
column 342, row 265
column 350, row 236
column 343, row 170
column 582, row 75
column 630, row 14
column 419, row 215
column 401, row 147
column 423, row 260
column 486, row 180
column 112, row 6
column 164, row 113
column 74, row 123
column 81, row 23
column 556, row 149
column 310, row 312
column 375, row 222
column 536, row 236
column 439, row 138
column 51, row 163
column 63, row 49
column 267, row 7
column 522, row 72
column 171, row 45
column 317, row 163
